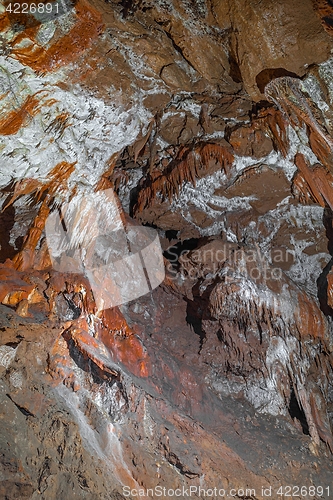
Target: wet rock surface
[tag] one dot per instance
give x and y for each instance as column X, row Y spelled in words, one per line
column 210, row 122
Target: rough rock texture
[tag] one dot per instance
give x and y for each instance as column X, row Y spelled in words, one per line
column 300, row 43
column 211, row 122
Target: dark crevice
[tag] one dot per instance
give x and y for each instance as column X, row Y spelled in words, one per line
column 197, row 310
column 183, row 469
column 76, row 311
column 193, row 318
column 7, row 221
column 175, row 251
column 129, row 7
column 171, row 234
column 296, row 412
column 328, row 20
column 12, row 344
column 87, row 365
column 235, row 72
column 23, row 410
column 133, row 198
column 267, row 75
column 179, row 50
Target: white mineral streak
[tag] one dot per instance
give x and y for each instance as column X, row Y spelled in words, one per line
column 16, row 379
column 95, row 130
column 103, row 442
column 306, row 220
column 246, row 301
column 326, row 74
column 7, row 355
column 203, row 197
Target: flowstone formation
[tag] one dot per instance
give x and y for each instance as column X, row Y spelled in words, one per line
column 212, row 123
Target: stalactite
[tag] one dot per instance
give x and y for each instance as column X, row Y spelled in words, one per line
column 276, row 126
column 38, row 189
column 319, row 414
column 315, row 183
column 187, row 167
column 135, row 150
column 10, row 124
column 105, row 180
column 40, row 192
column 24, row 259
column 297, row 106
column 258, row 316
column 305, row 404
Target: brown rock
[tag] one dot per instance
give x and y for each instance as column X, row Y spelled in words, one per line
column 13, row 288
column 230, row 106
column 249, row 142
column 191, row 130
column 208, row 258
column 172, row 126
column 174, row 76
column 221, row 13
column 267, row 186
column 285, row 35
column 203, row 53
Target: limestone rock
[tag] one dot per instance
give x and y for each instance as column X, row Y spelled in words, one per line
column 291, row 38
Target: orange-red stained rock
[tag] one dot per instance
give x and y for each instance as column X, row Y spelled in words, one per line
column 308, row 175
column 125, row 346
column 113, row 342
column 319, row 182
column 309, row 319
column 86, row 29
column 12, row 288
column 324, row 182
column 4, row 22
column 24, row 259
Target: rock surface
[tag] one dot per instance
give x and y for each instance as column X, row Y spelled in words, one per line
column 211, row 122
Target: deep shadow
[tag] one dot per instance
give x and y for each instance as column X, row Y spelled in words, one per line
column 7, row 220
column 171, row 234
column 296, row 412
column 197, row 309
column 133, row 198
column 129, row 7
column 234, row 72
column 87, row 365
column 267, row 75
column 174, row 252
column 194, row 318
column 328, row 20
